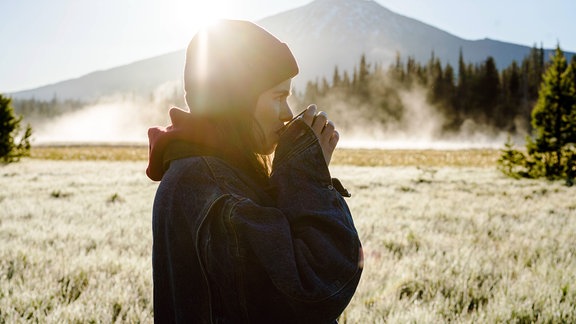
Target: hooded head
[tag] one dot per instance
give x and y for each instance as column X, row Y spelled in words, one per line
column 229, row 64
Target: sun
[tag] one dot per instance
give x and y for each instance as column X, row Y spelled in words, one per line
column 207, row 13
column 198, row 14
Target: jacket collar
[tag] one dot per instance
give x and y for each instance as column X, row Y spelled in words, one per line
column 185, row 128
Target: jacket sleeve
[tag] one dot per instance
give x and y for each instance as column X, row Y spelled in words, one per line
column 307, row 243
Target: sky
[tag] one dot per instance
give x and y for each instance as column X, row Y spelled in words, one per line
column 44, row 42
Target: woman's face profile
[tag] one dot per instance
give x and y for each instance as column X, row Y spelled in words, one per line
column 272, row 111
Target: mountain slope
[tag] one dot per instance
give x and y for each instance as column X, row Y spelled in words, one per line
column 326, row 33
column 322, row 34
column 140, row 77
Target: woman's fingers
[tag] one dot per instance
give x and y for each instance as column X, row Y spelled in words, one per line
column 308, row 116
column 319, row 123
column 328, row 141
column 334, row 139
column 327, row 132
column 324, row 129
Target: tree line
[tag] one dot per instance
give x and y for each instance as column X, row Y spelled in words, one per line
column 35, row 110
column 502, row 99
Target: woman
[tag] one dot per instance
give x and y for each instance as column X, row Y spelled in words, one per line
column 238, row 239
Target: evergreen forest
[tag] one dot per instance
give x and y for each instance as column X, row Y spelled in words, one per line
column 470, row 94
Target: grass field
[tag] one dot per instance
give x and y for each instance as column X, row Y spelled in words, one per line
column 356, row 157
column 446, row 238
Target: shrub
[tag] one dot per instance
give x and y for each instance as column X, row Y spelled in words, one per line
column 11, row 149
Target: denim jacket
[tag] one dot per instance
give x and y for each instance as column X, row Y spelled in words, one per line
column 228, row 251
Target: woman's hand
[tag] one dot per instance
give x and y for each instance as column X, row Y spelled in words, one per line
column 324, row 129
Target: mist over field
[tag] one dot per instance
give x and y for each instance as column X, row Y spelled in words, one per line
column 419, row 128
column 113, row 120
column 128, row 122
column 125, row 120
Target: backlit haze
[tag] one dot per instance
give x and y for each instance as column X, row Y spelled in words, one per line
column 45, row 42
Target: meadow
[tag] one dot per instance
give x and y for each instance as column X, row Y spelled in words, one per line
column 446, row 237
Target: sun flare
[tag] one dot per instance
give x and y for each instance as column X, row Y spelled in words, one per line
column 205, row 13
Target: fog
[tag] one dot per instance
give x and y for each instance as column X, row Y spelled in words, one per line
column 106, row 122
column 121, row 120
column 112, row 120
column 420, row 127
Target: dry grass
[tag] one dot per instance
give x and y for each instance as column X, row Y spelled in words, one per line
column 442, row 244
column 357, row 157
column 76, row 242
column 462, row 245
column 90, row 152
column 422, row 158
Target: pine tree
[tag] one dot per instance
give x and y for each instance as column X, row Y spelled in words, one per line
column 569, row 118
column 354, row 82
column 10, row 151
column 397, row 70
column 311, row 93
column 554, row 120
column 512, row 162
column 412, row 71
column 511, row 97
column 552, row 149
column 461, row 69
column 462, row 99
column 449, row 92
column 534, row 70
column 489, row 90
column 436, row 80
column 346, row 83
column 324, row 87
column 363, row 74
column 336, row 79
